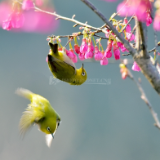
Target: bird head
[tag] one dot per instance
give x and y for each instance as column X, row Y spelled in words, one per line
column 81, row 75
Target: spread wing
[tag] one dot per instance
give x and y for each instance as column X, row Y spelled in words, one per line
column 29, row 117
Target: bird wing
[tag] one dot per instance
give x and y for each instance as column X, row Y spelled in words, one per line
column 59, row 67
column 29, row 117
column 61, row 55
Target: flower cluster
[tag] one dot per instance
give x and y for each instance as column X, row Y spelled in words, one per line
column 24, row 18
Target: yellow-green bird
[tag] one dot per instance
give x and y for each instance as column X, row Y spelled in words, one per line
column 63, row 68
column 39, row 112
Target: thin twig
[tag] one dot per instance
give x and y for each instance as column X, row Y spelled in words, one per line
column 145, row 99
column 127, row 24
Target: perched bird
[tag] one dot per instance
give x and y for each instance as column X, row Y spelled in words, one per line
column 63, row 68
column 39, row 112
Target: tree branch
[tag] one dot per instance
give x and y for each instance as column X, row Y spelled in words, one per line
column 102, row 17
column 145, row 99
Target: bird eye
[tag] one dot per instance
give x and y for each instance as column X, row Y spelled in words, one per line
column 83, row 73
column 58, row 124
column 48, row 128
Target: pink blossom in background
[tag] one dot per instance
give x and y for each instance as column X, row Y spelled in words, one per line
column 135, row 67
column 39, row 22
column 98, row 55
column 29, row 21
column 14, row 20
column 104, row 61
column 39, row 2
column 137, row 7
column 27, row 4
column 5, row 10
column 110, row 0
column 156, row 23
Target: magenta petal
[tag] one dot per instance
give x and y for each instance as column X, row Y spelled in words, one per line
column 135, row 67
column 27, row 4
column 81, row 56
column 104, row 61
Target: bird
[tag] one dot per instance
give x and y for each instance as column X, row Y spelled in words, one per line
column 39, row 112
column 63, row 68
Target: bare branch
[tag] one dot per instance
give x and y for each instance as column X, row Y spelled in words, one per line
column 145, row 99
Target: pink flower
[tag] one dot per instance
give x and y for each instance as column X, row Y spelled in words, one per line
column 7, row 25
column 5, row 10
column 98, row 55
column 89, row 54
column 137, row 7
column 156, row 23
column 119, row 44
column 148, row 19
column 39, row 22
column 116, row 51
column 39, row 2
column 74, row 59
column 27, row 4
column 15, row 20
column 77, row 48
column 108, row 52
column 104, row 61
column 81, row 56
column 135, row 67
column 123, row 49
column 84, row 46
column 130, row 36
column 108, row 33
column 70, row 54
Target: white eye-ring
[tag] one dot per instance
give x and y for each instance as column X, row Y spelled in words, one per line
column 83, row 73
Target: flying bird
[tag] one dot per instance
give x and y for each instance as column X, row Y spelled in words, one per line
column 39, row 112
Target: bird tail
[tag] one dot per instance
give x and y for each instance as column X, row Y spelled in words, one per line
column 24, row 93
column 54, row 48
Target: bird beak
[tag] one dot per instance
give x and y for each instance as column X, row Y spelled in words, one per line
column 82, row 66
column 52, row 135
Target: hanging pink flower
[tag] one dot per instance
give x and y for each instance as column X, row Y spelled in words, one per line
column 98, row 55
column 84, row 46
column 135, row 67
column 77, row 48
column 81, row 56
column 104, row 61
column 89, row 54
column 148, row 19
column 108, row 52
column 70, row 54
column 27, row 4
column 116, row 51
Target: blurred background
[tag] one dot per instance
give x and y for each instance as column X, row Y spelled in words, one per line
column 99, row 121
